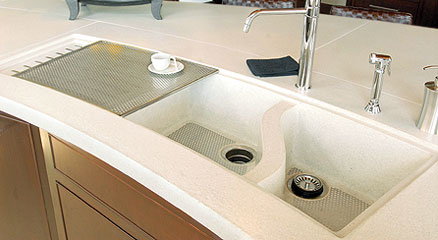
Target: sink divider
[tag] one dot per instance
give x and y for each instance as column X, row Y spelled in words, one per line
column 270, row 173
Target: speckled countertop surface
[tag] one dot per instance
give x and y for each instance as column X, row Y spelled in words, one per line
column 212, row 34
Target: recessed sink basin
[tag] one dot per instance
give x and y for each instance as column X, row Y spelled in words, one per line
column 362, row 167
column 218, row 117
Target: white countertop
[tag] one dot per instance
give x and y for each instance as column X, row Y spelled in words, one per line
column 211, row 34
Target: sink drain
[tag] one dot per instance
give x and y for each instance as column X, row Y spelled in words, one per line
column 238, row 154
column 306, row 186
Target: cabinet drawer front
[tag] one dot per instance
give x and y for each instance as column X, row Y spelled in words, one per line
column 83, row 222
column 141, row 206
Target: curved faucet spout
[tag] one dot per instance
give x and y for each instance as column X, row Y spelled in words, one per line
column 311, row 15
column 271, row 11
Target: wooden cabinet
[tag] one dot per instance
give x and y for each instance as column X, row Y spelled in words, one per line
column 50, row 189
column 22, row 207
column 81, row 221
column 109, row 201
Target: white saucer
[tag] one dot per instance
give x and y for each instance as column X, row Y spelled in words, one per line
column 170, row 70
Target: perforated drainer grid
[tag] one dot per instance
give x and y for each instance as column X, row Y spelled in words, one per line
column 112, row 76
column 209, row 144
column 335, row 210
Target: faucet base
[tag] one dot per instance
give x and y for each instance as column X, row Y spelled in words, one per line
column 373, row 107
column 302, row 89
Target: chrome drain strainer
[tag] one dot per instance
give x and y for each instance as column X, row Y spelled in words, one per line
column 306, row 186
column 334, row 208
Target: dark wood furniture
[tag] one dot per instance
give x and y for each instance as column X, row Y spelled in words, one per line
column 425, row 12
column 429, row 14
column 409, row 6
column 371, row 14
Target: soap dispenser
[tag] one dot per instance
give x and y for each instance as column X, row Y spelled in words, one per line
column 428, row 120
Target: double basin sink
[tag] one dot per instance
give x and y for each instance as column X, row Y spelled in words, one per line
column 279, row 143
column 269, row 139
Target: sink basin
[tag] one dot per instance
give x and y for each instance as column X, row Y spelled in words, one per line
column 360, row 166
column 218, row 117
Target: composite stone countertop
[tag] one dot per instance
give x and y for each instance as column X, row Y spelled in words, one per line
column 212, row 34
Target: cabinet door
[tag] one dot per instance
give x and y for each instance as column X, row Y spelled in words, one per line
column 135, row 204
column 22, row 209
column 82, row 222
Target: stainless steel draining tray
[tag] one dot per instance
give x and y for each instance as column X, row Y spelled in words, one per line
column 112, row 76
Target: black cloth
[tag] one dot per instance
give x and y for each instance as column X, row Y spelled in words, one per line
column 275, row 67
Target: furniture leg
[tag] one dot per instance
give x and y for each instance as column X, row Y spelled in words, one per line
column 156, row 9
column 73, row 6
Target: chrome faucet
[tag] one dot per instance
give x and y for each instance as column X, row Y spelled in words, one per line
column 311, row 14
column 381, row 62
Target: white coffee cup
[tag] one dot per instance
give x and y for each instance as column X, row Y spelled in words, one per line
column 161, row 61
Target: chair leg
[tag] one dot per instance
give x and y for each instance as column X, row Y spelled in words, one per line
column 73, row 6
column 156, row 9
